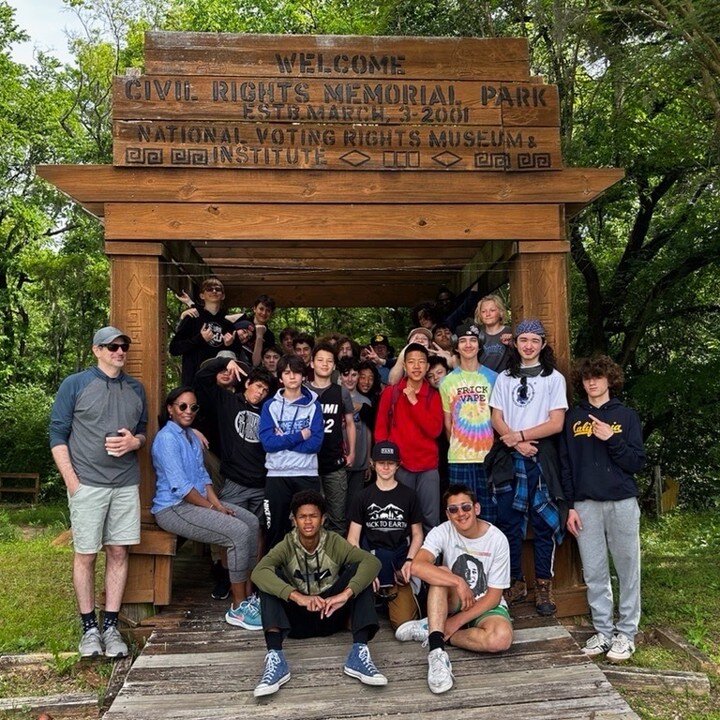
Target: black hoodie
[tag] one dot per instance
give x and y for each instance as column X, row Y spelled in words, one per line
column 594, row 469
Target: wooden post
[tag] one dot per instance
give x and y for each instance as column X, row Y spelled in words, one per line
column 658, row 486
column 538, row 288
column 137, row 299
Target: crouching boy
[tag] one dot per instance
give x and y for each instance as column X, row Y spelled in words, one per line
column 311, row 584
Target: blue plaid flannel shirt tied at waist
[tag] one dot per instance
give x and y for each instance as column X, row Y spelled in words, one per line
column 541, row 502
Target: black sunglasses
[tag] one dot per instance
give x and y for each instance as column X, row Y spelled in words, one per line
column 465, row 507
column 214, row 288
column 114, row 347
column 184, row 406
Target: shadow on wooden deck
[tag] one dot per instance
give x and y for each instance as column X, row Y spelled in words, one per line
column 195, row 666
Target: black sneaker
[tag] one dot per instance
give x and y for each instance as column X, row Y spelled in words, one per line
column 221, row 591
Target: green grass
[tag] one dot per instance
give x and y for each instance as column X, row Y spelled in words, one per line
column 681, row 577
column 37, row 601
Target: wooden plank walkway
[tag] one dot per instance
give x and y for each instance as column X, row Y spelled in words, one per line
column 199, row 667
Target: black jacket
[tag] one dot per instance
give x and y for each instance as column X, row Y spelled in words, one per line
column 593, row 469
column 242, row 456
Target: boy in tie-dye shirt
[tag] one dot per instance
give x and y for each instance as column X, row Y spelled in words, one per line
column 465, row 394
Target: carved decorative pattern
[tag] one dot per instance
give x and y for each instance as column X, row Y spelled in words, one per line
column 143, row 156
column 401, row 159
column 189, row 156
column 533, row 160
column 492, row 161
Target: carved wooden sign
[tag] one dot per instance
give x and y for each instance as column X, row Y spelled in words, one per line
column 327, row 103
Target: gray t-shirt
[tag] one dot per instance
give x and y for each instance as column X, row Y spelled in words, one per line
column 89, row 405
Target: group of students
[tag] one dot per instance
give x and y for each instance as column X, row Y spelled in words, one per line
column 476, row 408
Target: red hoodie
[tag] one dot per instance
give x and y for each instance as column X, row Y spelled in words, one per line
column 413, row 428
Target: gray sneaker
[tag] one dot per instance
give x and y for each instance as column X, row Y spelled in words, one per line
column 115, row 646
column 90, row 644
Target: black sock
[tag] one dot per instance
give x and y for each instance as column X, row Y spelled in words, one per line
column 88, row 620
column 361, row 636
column 436, row 640
column 274, row 640
column 110, row 619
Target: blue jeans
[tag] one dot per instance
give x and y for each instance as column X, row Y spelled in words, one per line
column 511, row 522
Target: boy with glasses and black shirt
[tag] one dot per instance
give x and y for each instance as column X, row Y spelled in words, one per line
column 203, row 331
column 465, row 598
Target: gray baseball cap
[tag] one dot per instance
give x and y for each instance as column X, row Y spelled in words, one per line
column 107, row 334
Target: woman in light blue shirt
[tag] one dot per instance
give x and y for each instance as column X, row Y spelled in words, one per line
column 185, row 503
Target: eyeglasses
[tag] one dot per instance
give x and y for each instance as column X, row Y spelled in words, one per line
column 465, row 507
column 214, row 289
column 114, row 347
column 184, row 406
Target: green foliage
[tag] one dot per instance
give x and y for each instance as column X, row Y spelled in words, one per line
column 681, row 576
column 24, row 417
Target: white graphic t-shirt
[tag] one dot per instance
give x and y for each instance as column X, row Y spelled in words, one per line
column 527, row 401
column 483, row 562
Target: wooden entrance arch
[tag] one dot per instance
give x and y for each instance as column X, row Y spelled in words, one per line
column 329, row 171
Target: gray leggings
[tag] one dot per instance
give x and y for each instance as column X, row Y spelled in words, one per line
column 238, row 533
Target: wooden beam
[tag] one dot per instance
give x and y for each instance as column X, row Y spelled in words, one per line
column 338, row 295
column 92, row 184
column 444, row 252
column 430, row 223
column 284, row 264
column 342, row 56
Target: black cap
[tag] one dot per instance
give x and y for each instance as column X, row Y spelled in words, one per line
column 379, row 340
column 469, row 330
column 386, row 450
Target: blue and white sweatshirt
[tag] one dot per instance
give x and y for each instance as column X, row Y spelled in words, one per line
column 281, row 423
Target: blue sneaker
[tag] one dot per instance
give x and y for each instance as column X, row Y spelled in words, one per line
column 245, row 616
column 275, row 674
column 360, row 665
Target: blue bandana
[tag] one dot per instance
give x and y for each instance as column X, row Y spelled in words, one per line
column 531, row 325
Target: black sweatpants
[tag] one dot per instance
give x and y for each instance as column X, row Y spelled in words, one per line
column 278, row 494
column 297, row 622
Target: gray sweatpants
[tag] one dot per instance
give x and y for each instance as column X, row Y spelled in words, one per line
column 427, row 486
column 612, row 525
column 238, row 533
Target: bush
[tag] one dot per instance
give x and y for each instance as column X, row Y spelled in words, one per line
column 24, row 418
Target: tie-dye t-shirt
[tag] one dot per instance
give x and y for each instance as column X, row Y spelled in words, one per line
column 466, row 395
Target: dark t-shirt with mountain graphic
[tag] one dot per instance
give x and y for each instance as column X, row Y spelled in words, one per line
column 386, row 515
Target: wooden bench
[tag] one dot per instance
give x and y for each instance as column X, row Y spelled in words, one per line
column 22, row 483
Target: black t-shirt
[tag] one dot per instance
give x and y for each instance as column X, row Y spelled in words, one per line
column 386, row 515
column 335, row 402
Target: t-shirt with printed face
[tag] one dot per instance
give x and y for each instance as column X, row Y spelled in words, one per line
column 483, row 562
column 465, row 395
column 527, row 402
column 386, row 516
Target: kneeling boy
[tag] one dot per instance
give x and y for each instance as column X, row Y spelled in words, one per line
column 310, row 584
column 465, row 598
column 386, row 520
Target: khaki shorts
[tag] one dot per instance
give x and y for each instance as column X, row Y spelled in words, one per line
column 104, row 516
column 499, row 610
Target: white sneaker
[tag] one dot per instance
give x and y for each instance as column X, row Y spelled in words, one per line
column 440, row 677
column 596, row 645
column 622, row 648
column 413, row 630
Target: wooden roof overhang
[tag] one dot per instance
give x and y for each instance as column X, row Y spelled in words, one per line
column 342, row 238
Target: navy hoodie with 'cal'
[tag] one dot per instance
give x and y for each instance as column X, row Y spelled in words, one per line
column 594, row 469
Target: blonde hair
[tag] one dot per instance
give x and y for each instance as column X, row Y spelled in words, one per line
column 499, row 304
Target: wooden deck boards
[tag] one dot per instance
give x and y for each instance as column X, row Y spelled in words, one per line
column 194, row 666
